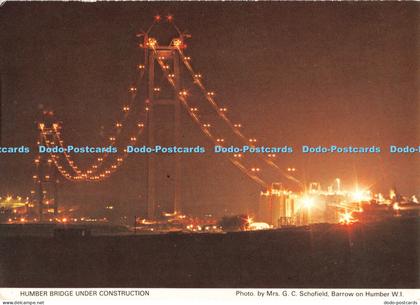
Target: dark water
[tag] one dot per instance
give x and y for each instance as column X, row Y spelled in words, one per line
column 380, row 255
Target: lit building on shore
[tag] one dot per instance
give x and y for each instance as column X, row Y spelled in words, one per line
column 277, row 206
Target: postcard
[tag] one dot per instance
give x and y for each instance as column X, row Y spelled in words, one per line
column 206, row 151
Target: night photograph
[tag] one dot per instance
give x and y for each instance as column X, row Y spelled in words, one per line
column 239, row 145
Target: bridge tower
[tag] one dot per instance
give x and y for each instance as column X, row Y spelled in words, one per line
column 46, row 177
column 157, row 99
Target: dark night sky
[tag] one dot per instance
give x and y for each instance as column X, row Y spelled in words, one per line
column 291, row 73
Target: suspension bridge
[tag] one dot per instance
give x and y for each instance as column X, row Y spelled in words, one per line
column 165, row 77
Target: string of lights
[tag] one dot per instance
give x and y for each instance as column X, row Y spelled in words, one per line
column 222, row 113
column 52, row 137
column 85, row 176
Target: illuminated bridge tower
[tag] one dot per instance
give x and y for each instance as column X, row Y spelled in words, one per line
column 163, row 171
column 46, row 177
